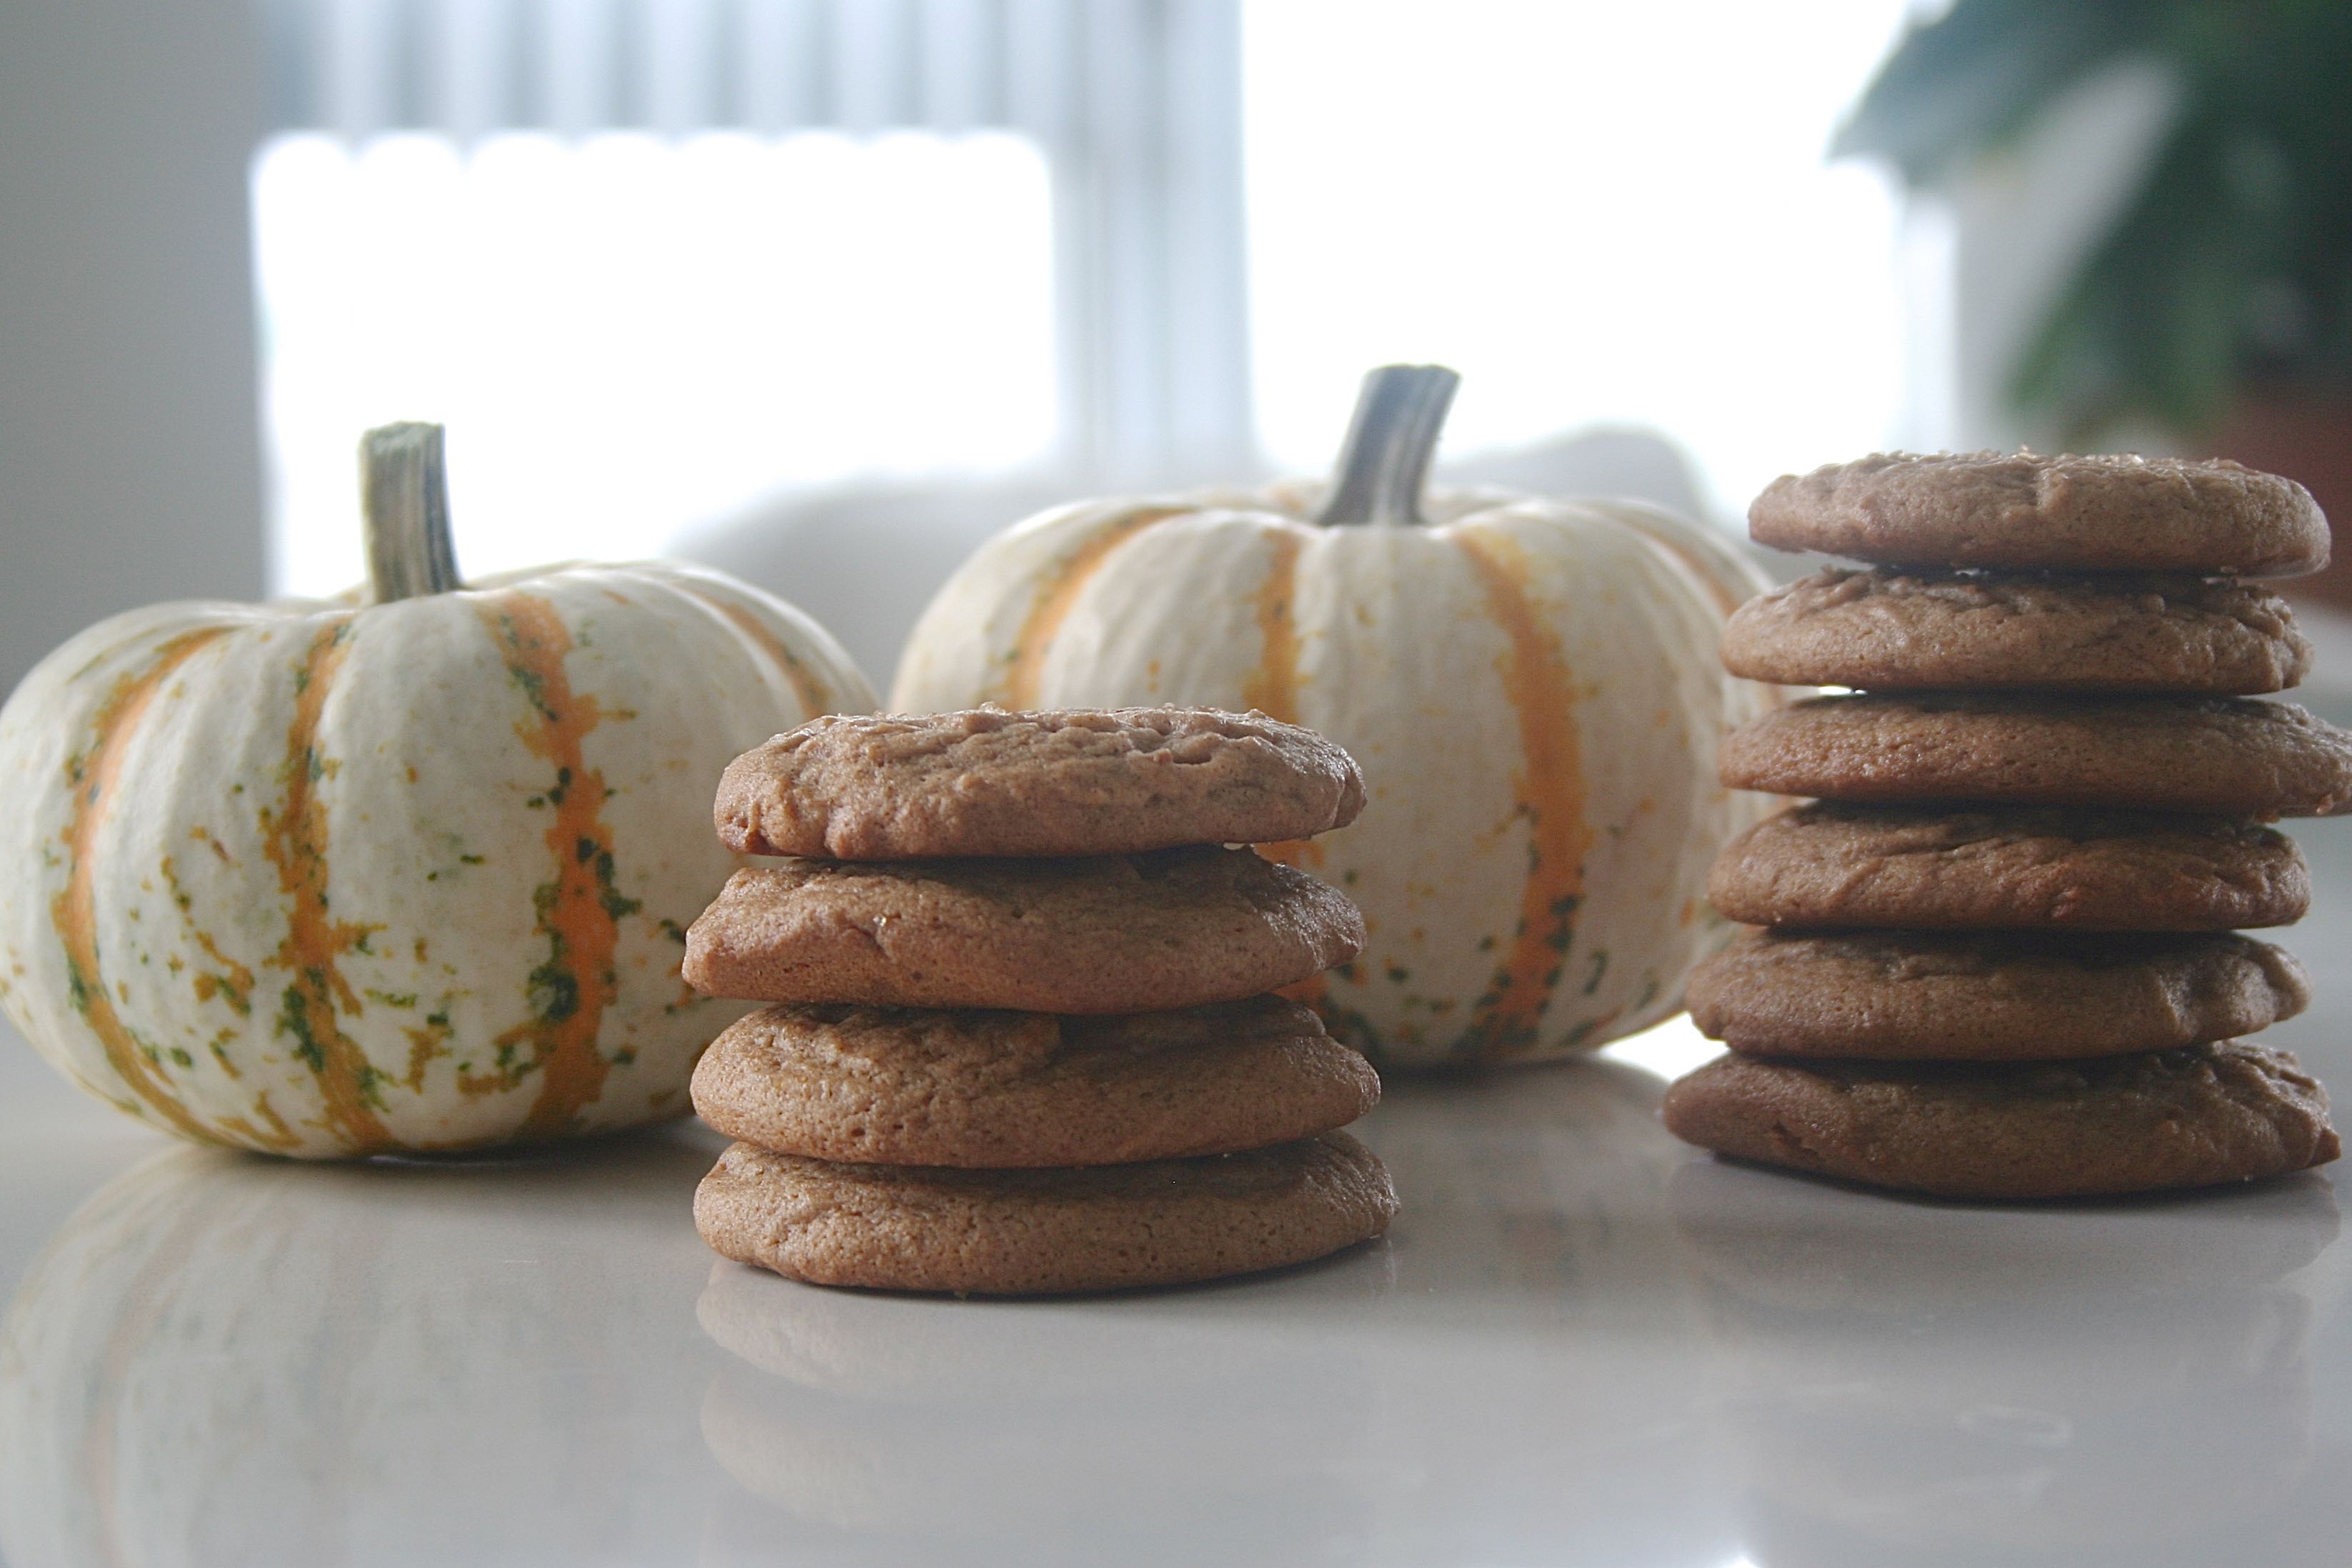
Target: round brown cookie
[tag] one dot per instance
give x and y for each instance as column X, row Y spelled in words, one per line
column 1105, row 933
column 998, row 1090
column 2232, row 757
column 1079, row 781
column 2019, row 510
column 1101, row 1227
column 2193, row 1117
column 1929, row 631
column 1989, row 996
column 1832, row 865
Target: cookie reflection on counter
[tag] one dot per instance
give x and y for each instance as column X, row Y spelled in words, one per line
column 1022, row 1420
column 2140, row 1374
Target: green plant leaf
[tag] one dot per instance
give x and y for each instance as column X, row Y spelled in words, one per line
column 1967, row 84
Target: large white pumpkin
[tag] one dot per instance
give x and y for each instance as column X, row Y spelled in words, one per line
column 333, row 878
column 1531, row 687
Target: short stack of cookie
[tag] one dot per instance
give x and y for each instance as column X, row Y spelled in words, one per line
column 1022, row 1036
column 1998, row 954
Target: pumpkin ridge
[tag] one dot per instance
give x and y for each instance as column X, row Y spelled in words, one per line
column 73, row 911
column 1689, row 559
column 1550, row 787
column 294, row 838
column 1025, row 664
column 579, row 911
column 812, row 693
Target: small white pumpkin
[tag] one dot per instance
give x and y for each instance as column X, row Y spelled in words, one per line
column 1531, row 687
column 334, row 878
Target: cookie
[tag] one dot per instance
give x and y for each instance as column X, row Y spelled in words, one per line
column 1105, row 934
column 2226, row 756
column 1832, row 865
column 1103, row 1227
column 2194, row 1117
column 998, row 1090
column 2019, row 510
column 1989, row 996
column 1929, row 631
column 1074, row 782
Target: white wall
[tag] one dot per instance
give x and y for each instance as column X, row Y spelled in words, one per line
column 130, row 455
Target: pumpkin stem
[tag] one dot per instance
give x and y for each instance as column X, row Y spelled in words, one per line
column 1385, row 459
column 404, row 500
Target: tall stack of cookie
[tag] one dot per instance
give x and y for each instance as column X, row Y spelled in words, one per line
column 1998, row 955
column 1023, row 1036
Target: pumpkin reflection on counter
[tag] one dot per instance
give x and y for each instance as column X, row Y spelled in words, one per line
column 1531, row 686
column 407, row 871
column 226, row 1360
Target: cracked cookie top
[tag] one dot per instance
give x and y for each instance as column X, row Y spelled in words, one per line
column 2226, row 1112
column 993, row 1090
column 1100, row 934
column 1928, row 631
column 2025, row 510
column 1835, row 866
column 1076, row 781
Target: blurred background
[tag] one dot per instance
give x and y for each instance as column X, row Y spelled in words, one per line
column 825, row 291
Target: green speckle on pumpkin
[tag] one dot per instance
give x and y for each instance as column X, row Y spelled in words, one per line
column 554, row 992
column 182, row 1057
column 524, row 676
column 1600, row 967
column 294, row 1019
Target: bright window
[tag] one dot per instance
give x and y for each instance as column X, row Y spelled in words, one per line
column 1598, row 213
column 627, row 335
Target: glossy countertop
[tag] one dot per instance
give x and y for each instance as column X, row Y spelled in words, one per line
column 1582, row 1343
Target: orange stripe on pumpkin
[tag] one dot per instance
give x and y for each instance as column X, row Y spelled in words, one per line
column 294, row 838
column 1025, row 664
column 274, row 1134
column 579, row 912
column 93, row 775
column 1272, row 687
column 813, row 695
column 1549, row 790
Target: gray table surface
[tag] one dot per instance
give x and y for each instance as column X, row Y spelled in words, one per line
column 1583, row 1343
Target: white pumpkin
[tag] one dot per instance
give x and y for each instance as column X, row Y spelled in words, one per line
column 1531, row 687
column 326, row 878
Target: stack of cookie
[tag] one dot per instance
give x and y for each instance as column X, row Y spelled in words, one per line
column 1998, row 959
column 1023, row 1036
